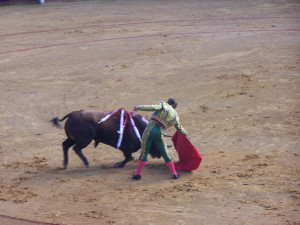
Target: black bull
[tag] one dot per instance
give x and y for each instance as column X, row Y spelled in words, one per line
column 82, row 128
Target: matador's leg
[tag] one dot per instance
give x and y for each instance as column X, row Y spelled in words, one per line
column 162, row 146
column 146, row 143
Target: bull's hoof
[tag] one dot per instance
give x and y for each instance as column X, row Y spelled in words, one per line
column 136, row 177
column 87, row 166
column 119, row 165
column 176, row 176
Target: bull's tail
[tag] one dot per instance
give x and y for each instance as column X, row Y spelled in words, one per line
column 55, row 121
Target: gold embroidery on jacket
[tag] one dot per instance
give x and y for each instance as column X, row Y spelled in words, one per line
column 165, row 114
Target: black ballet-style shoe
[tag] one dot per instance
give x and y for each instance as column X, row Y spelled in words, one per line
column 176, row 176
column 136, row 177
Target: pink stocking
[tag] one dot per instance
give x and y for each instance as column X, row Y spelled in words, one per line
column 172, row 167
column 140, row 167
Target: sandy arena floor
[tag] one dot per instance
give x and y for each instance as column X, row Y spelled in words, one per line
column 233, row 67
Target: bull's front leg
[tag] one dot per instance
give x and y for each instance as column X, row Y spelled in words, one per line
column 128, row 158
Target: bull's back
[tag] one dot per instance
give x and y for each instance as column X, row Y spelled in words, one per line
column 83, row 124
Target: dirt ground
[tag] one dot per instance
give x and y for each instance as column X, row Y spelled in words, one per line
column 232, row 65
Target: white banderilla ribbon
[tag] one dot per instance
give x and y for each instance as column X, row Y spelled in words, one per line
column 136, row 131
column 121, row 131
column 122, row 125
column 109, row 115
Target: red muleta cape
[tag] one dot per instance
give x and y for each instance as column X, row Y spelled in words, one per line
column 189, row 157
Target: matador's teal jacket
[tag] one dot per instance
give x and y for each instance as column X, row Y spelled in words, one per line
column 165, row 114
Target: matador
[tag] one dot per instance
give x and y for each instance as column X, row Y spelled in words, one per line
column 164, row 117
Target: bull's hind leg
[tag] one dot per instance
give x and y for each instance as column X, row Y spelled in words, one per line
column 78, row 147
column 66, row 145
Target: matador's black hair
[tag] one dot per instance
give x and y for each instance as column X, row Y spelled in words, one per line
column 172, row 102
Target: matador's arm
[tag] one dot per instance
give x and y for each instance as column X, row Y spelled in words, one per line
column 156, row 107
column 180, row 128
